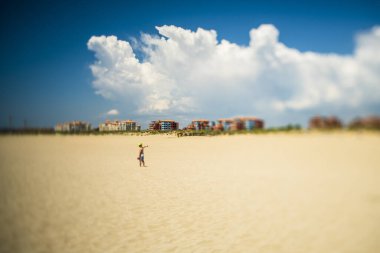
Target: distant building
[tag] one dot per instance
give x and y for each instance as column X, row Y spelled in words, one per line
column 154, row 126
column 189, row 127
column 320, row 122
column 73, row 127
column 163, row 125
column 119, row 126
column 199, row 124
column 247, row 123
column 239, row 123
column 224, row 124
column 370, row 122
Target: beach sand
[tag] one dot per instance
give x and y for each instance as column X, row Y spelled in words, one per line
column 313, row 192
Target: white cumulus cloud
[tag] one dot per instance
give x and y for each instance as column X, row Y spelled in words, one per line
column 112, row 112
column 186, row 72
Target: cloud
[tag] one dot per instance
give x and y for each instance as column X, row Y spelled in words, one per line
column 112, row 112
column 187, row 72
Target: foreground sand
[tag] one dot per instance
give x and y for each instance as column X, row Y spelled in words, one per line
column 258, row 193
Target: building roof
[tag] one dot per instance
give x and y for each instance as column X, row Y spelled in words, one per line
column 200, row 120
column 226, row 120
column 247, row 118
column 117, row 122
column 160, row 120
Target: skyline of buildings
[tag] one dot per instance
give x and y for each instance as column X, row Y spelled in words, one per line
column 225, row 124
column 222, row 124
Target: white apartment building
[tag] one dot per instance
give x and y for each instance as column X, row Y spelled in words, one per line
column 73, row 127
column 119, row 126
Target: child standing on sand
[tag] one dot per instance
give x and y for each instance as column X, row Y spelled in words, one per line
column 141, row 154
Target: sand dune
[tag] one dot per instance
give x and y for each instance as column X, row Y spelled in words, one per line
column 255, row 193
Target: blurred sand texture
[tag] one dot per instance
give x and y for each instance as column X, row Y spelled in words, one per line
column 312, row 192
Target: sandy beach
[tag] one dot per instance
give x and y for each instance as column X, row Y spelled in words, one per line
column 314, row 192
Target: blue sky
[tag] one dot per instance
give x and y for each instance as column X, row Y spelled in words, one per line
column 45, row 74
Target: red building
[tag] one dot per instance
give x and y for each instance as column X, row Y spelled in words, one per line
column 199, row 124
column 163, row 125
column 319, row 122
column 370, row 122
column 239, row 123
